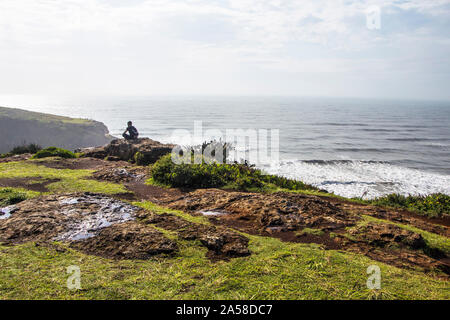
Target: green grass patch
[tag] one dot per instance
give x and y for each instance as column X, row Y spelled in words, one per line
column 19, row 114
column 54, row 152
column 275, row 270
column 150, row 206
column 316, row 232
column 69, row 180
column 9, row 196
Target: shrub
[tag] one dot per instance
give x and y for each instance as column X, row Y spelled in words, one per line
column 139, row 159
column 54, row 152
column 211, row 147
column 436, row 205
column 26, row 148
column 212, row 175
column 9, row 196
column 29, row 148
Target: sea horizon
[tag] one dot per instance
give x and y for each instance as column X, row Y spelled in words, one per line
column 350, row 146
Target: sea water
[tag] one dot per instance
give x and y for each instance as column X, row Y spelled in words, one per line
column 352, row 147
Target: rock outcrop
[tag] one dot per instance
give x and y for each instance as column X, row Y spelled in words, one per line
column 19, row 127
column 100, row 225
column 142, row 151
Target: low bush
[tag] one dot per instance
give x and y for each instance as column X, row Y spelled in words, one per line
column 213, row 175
column 26, row 148
column 29, row 148
column 54, row 152
column 435, row 205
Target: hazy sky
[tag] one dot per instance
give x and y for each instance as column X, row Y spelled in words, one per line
column 236, row 47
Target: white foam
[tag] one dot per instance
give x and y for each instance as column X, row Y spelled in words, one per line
column 109, row 212
column 362, row 178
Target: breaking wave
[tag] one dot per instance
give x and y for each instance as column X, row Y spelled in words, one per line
column 367, row 179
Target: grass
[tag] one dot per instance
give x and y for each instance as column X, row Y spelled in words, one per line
column 312, row 231
column 150, row 206
column 69, row 180
column 54, row 152
column 433, row 205
column 275, row 270
column 9, row 196
column 19, row 114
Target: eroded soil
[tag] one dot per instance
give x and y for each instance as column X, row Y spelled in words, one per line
column 80, row 164
column 35, row 184
column 17, row 157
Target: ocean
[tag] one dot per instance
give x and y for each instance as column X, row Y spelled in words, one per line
column 352, row 147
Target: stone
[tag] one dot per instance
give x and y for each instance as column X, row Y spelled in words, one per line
column 142, row 151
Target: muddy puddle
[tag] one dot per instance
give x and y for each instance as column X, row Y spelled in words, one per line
column 213, row 213
column 5, row 212
column 89, row 214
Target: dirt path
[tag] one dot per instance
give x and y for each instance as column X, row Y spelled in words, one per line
column 27, row 183
column 81, row 164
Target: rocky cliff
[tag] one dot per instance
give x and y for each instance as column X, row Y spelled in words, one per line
column 142, row 151
column 18, row 127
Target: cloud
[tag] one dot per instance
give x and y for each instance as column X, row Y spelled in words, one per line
column 172, row 42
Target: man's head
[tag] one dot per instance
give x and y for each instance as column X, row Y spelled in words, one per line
column 129, row 123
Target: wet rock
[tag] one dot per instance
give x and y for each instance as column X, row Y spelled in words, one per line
column 382, row 235
column 129, row 240
column 224, row 243
column 221, row 242
column 121, row 174
column 64, row 217
column 90, row 213
column 286, row 215
column 290, row 211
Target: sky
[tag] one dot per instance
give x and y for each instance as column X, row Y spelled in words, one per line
column 226, row 47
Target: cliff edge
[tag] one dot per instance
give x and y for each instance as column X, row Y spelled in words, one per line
column 19, row 127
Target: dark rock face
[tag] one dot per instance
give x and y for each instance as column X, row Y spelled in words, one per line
column 71, row 217
column 308, row 219
column 18, row 127
column 222, row 243
column 143, row 151
column 100, row 225
column 279, row 211
column 129, row 240
column 382, row 235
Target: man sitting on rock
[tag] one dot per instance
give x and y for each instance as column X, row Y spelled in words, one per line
column 133, row 133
